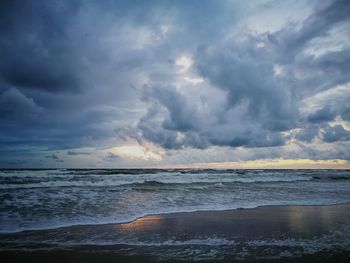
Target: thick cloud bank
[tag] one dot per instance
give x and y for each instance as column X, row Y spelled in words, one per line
column 222, row 80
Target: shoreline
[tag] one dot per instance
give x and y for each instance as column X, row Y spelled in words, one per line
column 172, row 169
column 167, row 213
column 317, row 232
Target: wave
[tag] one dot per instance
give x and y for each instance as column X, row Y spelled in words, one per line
column 208, row 241
column 332, row 177
column 337, row 238
column 146, row 183
column 206, row 248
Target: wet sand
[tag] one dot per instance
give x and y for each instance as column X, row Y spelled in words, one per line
column 240, row 227
column 265, row 221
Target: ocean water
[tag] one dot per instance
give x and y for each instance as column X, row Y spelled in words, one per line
column 48, row 199
column 72, row 209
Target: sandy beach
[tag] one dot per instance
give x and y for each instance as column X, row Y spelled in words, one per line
column 262, row 234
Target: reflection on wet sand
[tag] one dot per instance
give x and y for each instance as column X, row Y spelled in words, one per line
column 268, row 221
column 149, row 223
column 270, row 231
column 309, row 220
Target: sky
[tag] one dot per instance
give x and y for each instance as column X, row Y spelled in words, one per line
column 198, row 83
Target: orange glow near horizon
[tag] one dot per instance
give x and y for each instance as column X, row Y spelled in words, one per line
column 271, row 164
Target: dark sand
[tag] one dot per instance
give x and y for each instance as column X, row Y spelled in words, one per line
column 242, row 226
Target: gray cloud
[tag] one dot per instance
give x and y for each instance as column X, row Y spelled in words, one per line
column 15, row 105
column 174, row 123
column 78, row 153
column 93, row 74
column 346, row 114
column 248, row 78
column 323, row 115
column 35, row 48
column 112, row 157
column 265, row 102
column 336, row 133
column 54, row 157
column 307, row 134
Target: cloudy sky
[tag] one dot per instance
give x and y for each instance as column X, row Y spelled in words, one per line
column 197, row 83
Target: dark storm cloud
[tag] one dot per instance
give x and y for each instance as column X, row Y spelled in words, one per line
column 322, row 115
column 307, row 134
column 182, row 115
column 77, row 74
column 323, row 132
column 319, row 72
column 346, row 114
column 15, row 105
column 41, row 53
column 35, row 49
column 247, row 76
column 318, row 24
column 59, row 86
column 78, row 153
column 266, row 102
column 182, row 125
column 336, row 133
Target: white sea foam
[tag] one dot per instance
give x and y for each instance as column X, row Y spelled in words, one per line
column 57, row 198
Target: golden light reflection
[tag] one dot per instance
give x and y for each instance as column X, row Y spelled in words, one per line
column 301, row 219
column 141, row 224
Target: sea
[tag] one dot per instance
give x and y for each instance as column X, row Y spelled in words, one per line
column 40, row 200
